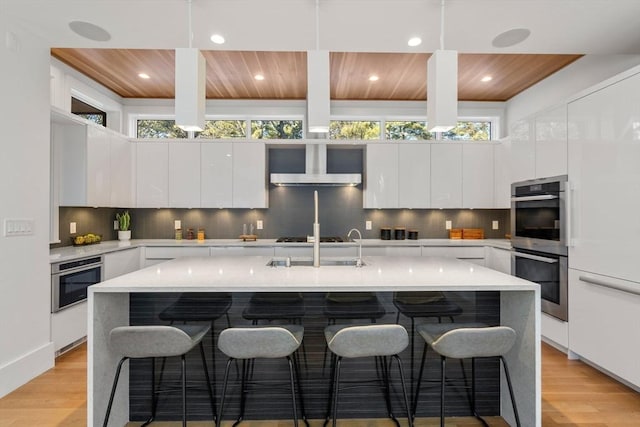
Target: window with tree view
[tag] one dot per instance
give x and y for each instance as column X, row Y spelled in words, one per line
column 159, row 129
column 223, row 129
column 469, row 131
column 412, row 131
column 354, row 129
column 88, row 112
column 276, row 129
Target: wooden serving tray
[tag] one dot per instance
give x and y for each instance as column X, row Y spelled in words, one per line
column 248, row 237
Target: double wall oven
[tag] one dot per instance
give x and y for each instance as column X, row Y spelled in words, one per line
column 539, row 228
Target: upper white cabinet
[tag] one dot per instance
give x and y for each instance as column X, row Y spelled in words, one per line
column 414, row 176
column 250, row 175
column 121, row 167
column 477, row 176
column 446, row 175
column 216, row 174
column 184, row 174
column 522, row 150
column 502, row 175
column 551, row 142
column 604, row 169
column 152, row 174
column 381, row 185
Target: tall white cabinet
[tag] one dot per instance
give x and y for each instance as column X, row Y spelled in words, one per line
column 551, row 142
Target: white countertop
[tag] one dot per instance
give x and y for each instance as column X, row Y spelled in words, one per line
column 251, row 274
column 72, row 252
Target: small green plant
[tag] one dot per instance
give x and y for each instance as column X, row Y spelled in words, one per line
column 124, row 220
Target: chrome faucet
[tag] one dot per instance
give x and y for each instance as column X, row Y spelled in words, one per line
column 359, row 260
column 316, row 232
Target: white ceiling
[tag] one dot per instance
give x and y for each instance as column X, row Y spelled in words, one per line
column 557, row 26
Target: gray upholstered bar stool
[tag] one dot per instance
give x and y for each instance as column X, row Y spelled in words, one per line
column 466, row 341
column 262, row 342
column 142, row 342
column 375, row 340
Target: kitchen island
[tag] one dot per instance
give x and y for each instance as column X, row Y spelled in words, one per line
column 519, row 307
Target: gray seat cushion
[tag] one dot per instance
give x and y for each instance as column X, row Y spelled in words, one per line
column 467, row 340
column 254, row 342
column 155, row 340
column 366, row 340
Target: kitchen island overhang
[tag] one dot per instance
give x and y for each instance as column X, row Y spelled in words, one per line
column 519, row 307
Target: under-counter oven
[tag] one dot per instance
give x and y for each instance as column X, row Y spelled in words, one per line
column 71, row 279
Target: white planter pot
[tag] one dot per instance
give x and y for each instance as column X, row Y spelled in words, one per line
column 124, row 235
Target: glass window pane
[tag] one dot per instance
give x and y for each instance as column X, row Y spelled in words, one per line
column 95, row 118
column 222, row 129
column 412, row 131
column 469, row 131
column 276, row 129
column 159, row 129
column 354, row 129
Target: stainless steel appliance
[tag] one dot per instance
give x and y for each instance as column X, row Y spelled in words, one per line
column 539, row 233
column 70, row 280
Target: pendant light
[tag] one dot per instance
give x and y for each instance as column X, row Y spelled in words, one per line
column 190, row 86
column 318, row 85
column 442, row 86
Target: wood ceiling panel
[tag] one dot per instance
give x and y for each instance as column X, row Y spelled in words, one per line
column 230, row 74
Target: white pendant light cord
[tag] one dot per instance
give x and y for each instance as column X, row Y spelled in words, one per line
column 441, row 24
column 190, row 30
column 317, row 24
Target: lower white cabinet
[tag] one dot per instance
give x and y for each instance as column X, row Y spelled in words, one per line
column 157, row 254
column 498, row 259
column 121, row 262
column 603, row 323
column 391, row 251
column 241, row 251
column 473, row 254
column 69, row 327
column 554, row 331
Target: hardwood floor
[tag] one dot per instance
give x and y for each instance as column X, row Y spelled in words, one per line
column 573, row 394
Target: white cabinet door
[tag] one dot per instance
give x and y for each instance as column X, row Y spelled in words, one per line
column 241, row 251
column 477, row 175
column 184, row 175
column 551, row 142
column 502, row 175
column 446, row 175
column 414, row 176
column 152, row 174
column 602, row 323
column 381, row 181
column 98, row 167
column 249, row 175
column 523, row 148
column 121, row 262
column 216, row 175
column 604, row 168
column 121, row 159
column 498, row 259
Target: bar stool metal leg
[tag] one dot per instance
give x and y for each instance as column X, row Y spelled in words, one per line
column 113, row 391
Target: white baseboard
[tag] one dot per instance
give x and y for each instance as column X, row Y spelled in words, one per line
column 24, row 369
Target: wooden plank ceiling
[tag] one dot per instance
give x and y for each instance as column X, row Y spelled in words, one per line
column 230, row 74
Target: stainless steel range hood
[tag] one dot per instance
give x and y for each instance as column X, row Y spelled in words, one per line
column 316, row 171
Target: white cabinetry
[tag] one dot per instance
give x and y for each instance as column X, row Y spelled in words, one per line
column 391, row 251
column 602, row 323
column 381, row 186
column 249, row 175
column 152, row 174
column 241, row 251
column 502, row 175
column 156, row 254
column 522, row 150
column 216, row 174
column 121, row 171
column 473, row 254
column 414, row 176
column 604, row 159
column 498, row 259
column 551, row 142
column 477, row 175
column 121, row 262
column 184, row 175
column 446, row 175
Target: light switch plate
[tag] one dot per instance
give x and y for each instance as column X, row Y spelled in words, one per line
column 18, row 227
column 177, row 224
column 447, row 225
column 259, row 224
column 495, row 225
column 367, row 225
column 72, row 228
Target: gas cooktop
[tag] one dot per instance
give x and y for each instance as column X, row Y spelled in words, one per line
column 325, row 239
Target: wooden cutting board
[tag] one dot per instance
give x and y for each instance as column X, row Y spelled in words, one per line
column 473, row 233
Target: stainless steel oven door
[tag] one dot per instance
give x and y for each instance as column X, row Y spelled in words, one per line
column 551, row 272
column 70, row 281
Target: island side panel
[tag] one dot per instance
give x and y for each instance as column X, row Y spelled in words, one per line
column 106, row 311
column 521, row 311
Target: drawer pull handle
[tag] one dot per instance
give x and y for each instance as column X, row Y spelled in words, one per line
column 610, row 285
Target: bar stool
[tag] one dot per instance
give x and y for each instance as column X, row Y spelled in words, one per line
column 271, row 306
column 262, row 342
column 141, row 342
column 466, row 341
column 379, row 341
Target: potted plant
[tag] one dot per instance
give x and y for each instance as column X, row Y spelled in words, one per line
column 124, row 222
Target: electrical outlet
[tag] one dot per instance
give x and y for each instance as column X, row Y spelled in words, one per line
column 116, row 226
column 259, row 224
column 447, row 225
column 177, row 224
column 367, row 225
column 72, row 227
column 495, row 225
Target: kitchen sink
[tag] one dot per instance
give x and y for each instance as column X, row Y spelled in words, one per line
column 308, row 262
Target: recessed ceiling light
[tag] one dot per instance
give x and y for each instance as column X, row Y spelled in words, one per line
column 511, row 37
column 373, row 78
column 143, row 75
column 414, row 41
column 258, row 77
column 89, row 31
column 486, row 79
column 217, row 39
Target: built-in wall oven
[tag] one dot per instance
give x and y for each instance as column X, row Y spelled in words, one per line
column 71, row 279
column 539, row 233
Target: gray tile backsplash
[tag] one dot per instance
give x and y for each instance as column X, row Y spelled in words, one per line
column 290, row 214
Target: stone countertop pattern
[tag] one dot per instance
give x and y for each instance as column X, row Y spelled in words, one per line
column 73, row 252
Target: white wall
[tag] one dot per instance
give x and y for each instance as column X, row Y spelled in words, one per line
column 25, row 350
column 583, row 73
